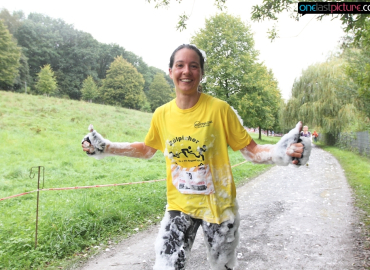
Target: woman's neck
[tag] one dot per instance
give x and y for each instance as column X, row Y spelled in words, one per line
column 187, row 101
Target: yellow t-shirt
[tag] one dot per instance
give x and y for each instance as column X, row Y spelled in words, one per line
column 194, row 142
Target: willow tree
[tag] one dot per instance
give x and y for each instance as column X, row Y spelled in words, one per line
column 320, row 98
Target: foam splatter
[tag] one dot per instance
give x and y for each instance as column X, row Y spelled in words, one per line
column 284, row 146
column 100, row 147
column 236, row 112
column 279, row 153
column 220, row 252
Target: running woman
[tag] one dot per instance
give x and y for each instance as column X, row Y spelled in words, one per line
column 193, row 131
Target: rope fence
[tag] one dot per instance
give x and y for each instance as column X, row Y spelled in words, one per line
column 41, row 168
column 94, row 186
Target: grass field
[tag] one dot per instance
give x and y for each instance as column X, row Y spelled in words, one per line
column 43, row 131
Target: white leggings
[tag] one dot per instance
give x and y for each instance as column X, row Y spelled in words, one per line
column 176, row 237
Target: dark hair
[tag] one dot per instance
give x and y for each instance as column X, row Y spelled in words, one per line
column 191, row 47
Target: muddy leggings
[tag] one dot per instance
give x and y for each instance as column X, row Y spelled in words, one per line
column 176, row 238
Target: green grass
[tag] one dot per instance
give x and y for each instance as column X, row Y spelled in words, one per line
column 357, row 172
column 44, row 131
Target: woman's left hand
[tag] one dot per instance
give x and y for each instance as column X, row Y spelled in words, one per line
column 292, row 146
column 295, row 150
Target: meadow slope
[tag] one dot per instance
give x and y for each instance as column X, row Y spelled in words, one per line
column 46, row 131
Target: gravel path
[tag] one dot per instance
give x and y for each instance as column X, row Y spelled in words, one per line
column 291, row 218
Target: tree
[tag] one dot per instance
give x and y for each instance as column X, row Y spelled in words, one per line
column 12, row 21
column 46, row 82
column 358, row 69
column 77, row 59
column 89, row 89
column 259, row 106
column 153, row 71
column 38, row 39
column 229, row 45
column 123, row 85
column 159, row 92
column 72, row 54
column 363, row 35
column 23, row 79
column 9, row 56
column 107, row 53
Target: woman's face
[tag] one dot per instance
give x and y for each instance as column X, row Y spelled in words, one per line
column 186, row 72
column 305, row 129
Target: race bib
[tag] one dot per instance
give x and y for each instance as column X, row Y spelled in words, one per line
column 196, row 180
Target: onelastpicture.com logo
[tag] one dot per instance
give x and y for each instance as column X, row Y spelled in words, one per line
column 333, row 7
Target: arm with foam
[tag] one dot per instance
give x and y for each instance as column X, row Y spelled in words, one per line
column 95, row 145
column 261, row 154
column 290, row 146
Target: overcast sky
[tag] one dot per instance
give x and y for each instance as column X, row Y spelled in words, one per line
column 150, row 33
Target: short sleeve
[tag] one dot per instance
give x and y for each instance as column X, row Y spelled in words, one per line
column 237, row 136
column 153, row 137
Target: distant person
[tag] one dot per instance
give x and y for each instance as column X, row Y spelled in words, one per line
column 305, row 132
column 194, row 131
column 315, row 135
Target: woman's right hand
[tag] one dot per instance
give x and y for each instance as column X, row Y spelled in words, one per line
column 93, row 143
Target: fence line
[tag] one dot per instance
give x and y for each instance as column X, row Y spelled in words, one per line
column 95, row 186
column 17, row 195
column 355, row 141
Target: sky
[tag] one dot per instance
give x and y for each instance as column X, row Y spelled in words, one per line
column 151, row 33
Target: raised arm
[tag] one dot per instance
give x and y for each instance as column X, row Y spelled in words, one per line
column 95, row 145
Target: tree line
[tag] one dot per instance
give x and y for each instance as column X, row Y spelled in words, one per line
column 43, row 55
column 332, row 96
column 74, row 65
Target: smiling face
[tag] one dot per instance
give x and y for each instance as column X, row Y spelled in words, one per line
column 186, row 71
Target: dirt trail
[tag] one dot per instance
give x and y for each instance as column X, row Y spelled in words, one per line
column 291, row 218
